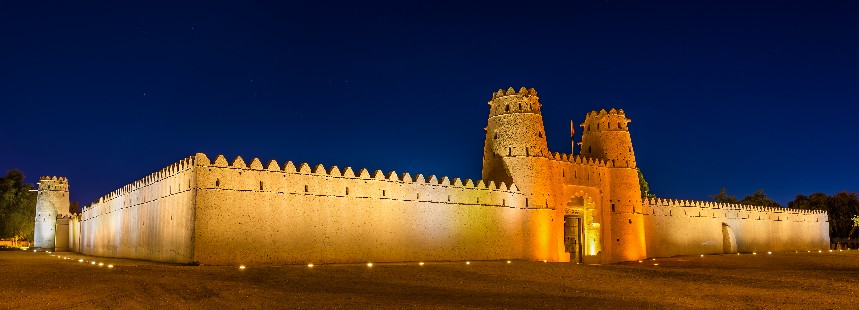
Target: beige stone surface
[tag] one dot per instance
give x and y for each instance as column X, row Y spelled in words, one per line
column 215, row 211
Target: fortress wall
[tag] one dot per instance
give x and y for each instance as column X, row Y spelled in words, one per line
column 676, row 227
column 149, row 219
column 74, row 234
column 252, row 215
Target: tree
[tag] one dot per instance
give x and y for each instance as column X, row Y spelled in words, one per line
column 759, row 198
column 723, row 197
column 816, row 201
column 642, row 184
column 841, row 208
column 17, row 207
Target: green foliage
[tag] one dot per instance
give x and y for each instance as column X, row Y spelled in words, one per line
column 841, row 207
column 759, row 198
column 723, row 197
column 17, row 207
column 642, row 184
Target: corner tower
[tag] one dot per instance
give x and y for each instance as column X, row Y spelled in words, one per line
column 52, row 200
column 606, row 136
column 515, row 148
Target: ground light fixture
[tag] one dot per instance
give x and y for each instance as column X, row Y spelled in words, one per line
column 80, row 261
column 310, row 265
column 369, row 265
column 468, row 263
column 508, row 262
column 242, row 267
column 109, row 266
column 421, row 263
column 769, row 252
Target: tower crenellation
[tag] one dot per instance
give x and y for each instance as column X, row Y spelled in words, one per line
column 606, row 137
column 52, row 201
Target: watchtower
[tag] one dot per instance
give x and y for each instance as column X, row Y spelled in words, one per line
column 606, row 137
column 515, row 149
column 52, row 200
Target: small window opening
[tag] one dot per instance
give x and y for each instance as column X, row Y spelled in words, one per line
column 527, row 151
column 612, row 207
column 504, row 202
column 563, row 173
column 520, row 107
column 589, row 149
column 630, row 221
column 526, row 202
column 217, row 182
column 540, row 134
column 478, row 199
column 507, row 109
column 419, row 196
column 619, row 126
column 260, row 185
column 305, row 189
column 383, row 193
column 347, row 190
column 509, row 151
column 598, row 126
column 448, row 198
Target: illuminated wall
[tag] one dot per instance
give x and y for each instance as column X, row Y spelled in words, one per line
column 231, row 213
column 150, row 219
column 677, row 227
column 52, row 200
column 250, row 214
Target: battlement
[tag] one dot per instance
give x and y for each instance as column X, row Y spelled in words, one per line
column 202, row 160
column 511, row 101
column 581, row 160
column 182, row 165
column 53, row 183
column 612, row 120
column 675, row 203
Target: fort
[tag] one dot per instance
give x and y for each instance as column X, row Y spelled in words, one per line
column 531, row 204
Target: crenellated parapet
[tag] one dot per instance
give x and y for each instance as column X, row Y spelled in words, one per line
column 581, row 160
column 729, row 210
column 148, row 181
column 53, row 183
column 602, row 120
column 289, row 167
column 510, row 102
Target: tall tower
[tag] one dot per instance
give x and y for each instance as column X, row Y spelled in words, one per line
column 606, row 136
column 515, row 148
column 52, row 200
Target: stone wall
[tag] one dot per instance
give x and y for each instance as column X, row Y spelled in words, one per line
column 298, row 215
column 679, row 227
column 150, row 219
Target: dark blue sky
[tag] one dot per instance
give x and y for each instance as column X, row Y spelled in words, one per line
column 743, row 95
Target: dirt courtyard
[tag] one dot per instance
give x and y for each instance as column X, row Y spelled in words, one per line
column 779, row 280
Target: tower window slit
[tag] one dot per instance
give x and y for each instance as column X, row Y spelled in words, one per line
column 260, row 185
column 347, row 190
column 306, row 189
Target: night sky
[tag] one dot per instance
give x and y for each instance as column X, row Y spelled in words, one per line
column 745, row 96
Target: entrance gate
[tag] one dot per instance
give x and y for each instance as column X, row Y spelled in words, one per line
column 573, row 236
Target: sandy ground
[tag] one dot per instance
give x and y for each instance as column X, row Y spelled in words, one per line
column 780, row 280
